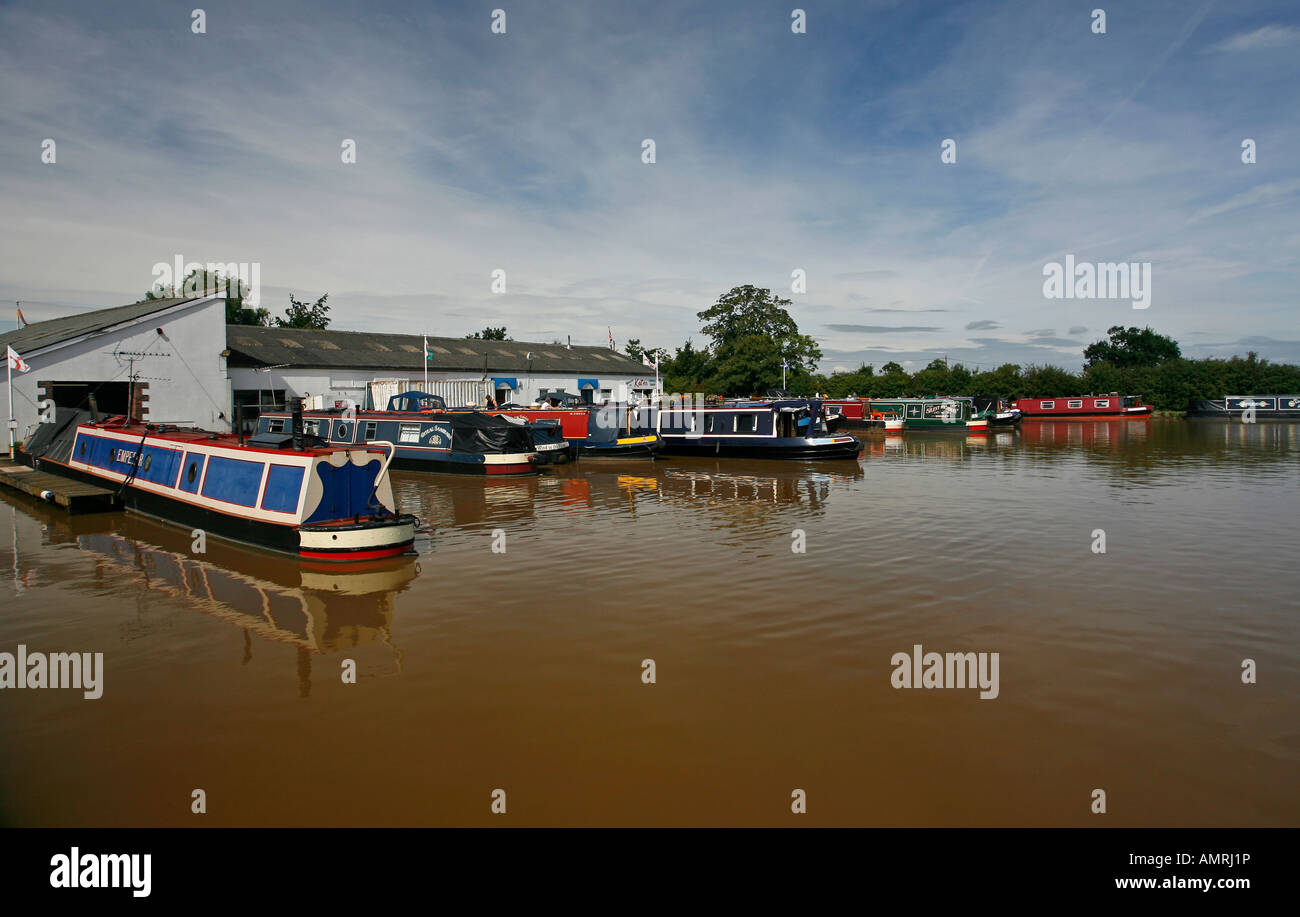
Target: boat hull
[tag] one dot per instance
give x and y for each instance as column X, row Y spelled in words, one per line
column 836, row 447
column 631, row 447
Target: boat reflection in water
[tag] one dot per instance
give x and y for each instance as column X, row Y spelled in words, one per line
column 319, row 610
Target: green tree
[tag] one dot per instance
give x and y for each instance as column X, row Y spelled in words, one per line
column 489, row 334
column 737, row 321
column 688, row 370
column 1132, row 347
column 301, row 315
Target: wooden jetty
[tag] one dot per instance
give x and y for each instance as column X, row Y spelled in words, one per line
column 73, row 496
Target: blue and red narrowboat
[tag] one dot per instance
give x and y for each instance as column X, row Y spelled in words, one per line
column 274, row 491
column 1081, row 406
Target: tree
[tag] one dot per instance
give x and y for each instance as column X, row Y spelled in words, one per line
column 738, row 321
column 634, row 349
column 301, row 315
column 489, row 334
column 1131, row 347
column 688, row 370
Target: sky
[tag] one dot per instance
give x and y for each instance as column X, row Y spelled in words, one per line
column 775, row 152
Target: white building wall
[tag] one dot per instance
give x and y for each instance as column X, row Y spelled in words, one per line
column 449, row 384
column 185, row 372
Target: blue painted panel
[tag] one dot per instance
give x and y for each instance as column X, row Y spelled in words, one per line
column 283, row 485
column 233, row 480
column 345, row 491
column 193, row 463
column 162, row 465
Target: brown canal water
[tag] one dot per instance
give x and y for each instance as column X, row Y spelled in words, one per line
column 774, row 670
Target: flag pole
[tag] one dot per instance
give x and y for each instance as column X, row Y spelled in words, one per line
column 9, row 363
column 426, row 362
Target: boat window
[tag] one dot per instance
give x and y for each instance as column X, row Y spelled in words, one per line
column 372, row 427
column 913, row 410
column 341, row 431
column 148, row 462
column 275, row 426
column 1049, row 405
column 746, row 423
column 192, row 473
column 311, row 427
column 1101, row 402
column 83, row 447
column 409, row 433
column 1074, row 404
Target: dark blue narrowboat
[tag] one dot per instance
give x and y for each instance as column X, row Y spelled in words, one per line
column 611, row 434
column 425, row 439
column 793, row 429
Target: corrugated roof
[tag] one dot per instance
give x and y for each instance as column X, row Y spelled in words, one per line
column 56, row 330
column 251, row 345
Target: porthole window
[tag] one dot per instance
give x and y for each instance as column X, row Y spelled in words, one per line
column 192, row 473
column 148, row 460
column 342, row 431
column 83, row 447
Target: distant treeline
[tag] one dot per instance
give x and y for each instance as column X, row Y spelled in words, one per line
column 754, row 341
column 1168, row 386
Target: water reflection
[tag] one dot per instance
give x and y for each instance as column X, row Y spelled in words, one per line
column 321, row 609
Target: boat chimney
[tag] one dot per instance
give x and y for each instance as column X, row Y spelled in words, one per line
column 94, row 409
column 296, row 408
column 569, row 343
column 239, row 422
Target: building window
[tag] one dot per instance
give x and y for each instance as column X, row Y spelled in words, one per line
column 1049, row 405
column 1074, row 404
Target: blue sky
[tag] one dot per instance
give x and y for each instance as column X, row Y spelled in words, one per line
column 775, row 152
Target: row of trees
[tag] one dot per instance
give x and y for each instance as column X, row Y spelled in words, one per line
column 752, row 334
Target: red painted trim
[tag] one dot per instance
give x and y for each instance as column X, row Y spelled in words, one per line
column 357, row 555
column 525, row 468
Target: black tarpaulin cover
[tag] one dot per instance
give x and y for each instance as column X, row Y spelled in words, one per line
column 54, row 440
column 485, row 434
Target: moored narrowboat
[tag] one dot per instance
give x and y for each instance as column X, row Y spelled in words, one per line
column 455, row 442
column 934, row 415
column 1240, row 407
column 1081, row 406
column 276, row 491
column 767, row 430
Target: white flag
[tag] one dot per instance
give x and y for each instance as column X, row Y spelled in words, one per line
column 645, row 358
column 15, row 361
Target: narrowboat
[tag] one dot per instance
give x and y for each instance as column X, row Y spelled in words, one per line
column 610, row 434
column 427, row 439
column 832, row 417
column 589, row 431
column 856, row 413
column 1081, row 406
column 275, row 491
column 1235, row 407
column 998, row 411
column 934, row 415
column 768, row 430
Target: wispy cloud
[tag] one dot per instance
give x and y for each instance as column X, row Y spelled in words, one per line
column 1269, row 36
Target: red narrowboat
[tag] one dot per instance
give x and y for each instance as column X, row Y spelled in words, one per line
column 1081, row 406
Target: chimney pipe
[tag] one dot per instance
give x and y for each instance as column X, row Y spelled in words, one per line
column 296, row 408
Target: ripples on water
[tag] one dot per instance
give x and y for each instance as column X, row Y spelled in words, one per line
column 522, row 670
